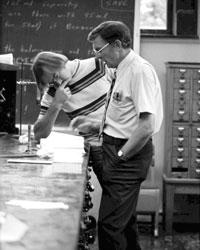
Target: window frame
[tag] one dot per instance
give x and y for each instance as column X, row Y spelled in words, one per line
column 171, row 24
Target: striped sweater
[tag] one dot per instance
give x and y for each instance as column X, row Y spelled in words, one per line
column 89, row 87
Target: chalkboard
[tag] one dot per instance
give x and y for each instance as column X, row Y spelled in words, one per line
column 30, row 26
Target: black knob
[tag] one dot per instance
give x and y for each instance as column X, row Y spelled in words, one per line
column 90, row 187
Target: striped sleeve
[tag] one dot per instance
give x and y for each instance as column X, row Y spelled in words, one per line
column 90, row 78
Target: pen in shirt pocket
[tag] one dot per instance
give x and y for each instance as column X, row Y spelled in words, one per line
column 117, row 96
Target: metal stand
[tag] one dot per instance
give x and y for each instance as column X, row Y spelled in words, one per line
column 22, row 82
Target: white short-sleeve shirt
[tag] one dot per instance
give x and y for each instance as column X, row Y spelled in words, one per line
column 137, row 89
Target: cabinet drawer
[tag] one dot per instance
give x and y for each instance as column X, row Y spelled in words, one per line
column 182, row 94
column 196, row 94
column 196, row 74
column 195, row 142
column 182, row 73
column 180, row 141
column 180, row 130
column 196, row 131
column 196, row 104
column 194, row 172
column 182, row 83
column 180, row 152
column 180, row 162
column 181, row 112
column 196, row 83
column 180, row 167
column 196, row 114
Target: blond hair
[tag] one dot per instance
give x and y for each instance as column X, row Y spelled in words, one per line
column 47, row 62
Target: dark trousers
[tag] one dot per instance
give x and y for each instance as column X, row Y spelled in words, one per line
column 121, row 181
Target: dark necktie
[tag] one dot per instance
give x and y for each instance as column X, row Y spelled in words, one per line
column 106, row 105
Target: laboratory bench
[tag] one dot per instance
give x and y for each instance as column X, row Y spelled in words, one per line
column 40, row 203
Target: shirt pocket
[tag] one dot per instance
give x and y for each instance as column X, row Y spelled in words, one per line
column 120, row 106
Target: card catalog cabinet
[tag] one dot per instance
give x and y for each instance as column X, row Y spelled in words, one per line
column 182, row 116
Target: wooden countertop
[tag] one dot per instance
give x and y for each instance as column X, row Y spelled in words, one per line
column 47, row 229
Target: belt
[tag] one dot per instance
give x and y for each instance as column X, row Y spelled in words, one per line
column 113, row 140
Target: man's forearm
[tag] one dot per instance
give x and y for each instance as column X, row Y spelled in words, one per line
column 43, row 126
column 134, row 144
column 96, row 127
column 140, row 136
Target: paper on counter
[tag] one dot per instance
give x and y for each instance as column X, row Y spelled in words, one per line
column 37, row 204
column 12, row 229
column 61, row 140
column 63, row 148
column 62, row 155
column 68, row 155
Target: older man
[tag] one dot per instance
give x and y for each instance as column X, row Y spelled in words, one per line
column 134, row 112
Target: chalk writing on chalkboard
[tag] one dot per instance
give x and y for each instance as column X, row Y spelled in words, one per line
column 31, row 26
column 118, row 5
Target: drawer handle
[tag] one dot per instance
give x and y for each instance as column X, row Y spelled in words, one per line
column 198, row 91
column 197, row 161
column 198, row 112
column 198, row 150
column 182, row 81
column 182, row 91
column 198, row 139
column 181, row 129
column 182, row 71
column 180, row 150
column 197, row 171
column 180, row 160
column 181, row 139
column 198, row 130
column 181, row 112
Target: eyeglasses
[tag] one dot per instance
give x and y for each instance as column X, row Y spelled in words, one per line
column 98, row 51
